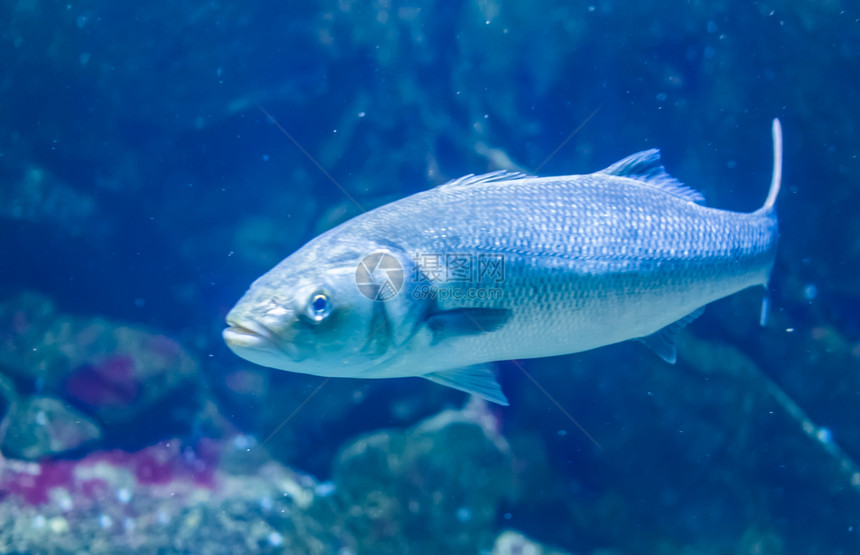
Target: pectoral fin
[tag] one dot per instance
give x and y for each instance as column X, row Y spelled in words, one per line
column 478, row 380
column 466, row 321
column 662, row 342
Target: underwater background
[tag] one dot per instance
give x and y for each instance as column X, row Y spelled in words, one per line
column 144, row 184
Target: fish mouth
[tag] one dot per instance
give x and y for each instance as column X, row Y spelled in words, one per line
column 251, row 335
column 247, row 335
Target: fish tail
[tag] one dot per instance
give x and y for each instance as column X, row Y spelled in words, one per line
column 776, row 179
column 769, row 209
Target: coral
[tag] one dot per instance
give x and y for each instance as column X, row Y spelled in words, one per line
column 158, row 499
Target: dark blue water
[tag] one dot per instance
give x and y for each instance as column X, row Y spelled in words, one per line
column 154, row 160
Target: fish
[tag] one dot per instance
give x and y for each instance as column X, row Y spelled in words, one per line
column 505, row 266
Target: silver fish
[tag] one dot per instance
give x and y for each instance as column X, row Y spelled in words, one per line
column 505, row 266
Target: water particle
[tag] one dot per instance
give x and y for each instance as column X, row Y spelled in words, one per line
column 561, row 433
column 324, row 489
column 123, row 495
column 265, row 158
column 39, row 521
column 243, row 441
column 65, row 504
column 266, row 503
column 84, row 58
column 41, row 418
column 276, row 540
column 105, row 521
column 128, row 523
column 361, row 114
column 162, row 518
column 464, row 514
column 661, row 97
column 810, row 292
column 824, row 435
column 508, row 516
column 58, row 525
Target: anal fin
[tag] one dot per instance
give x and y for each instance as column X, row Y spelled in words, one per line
column 662, row 341
column 477, row 380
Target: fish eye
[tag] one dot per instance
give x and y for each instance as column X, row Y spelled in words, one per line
column 319, row 307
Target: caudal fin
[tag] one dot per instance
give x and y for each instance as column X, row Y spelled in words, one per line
column 770, row 205
column 776, row 180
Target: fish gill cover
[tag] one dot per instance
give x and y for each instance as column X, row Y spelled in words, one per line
column 155, row 160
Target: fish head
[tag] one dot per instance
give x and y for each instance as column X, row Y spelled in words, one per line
column 329, row 309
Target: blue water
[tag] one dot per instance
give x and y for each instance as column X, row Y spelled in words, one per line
column 155, row 160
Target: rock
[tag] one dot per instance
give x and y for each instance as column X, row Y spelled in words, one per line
column 514, row 543
column 118, row 374
column 40, row 426
column 265, row 402
column 36, row 196
column 120, row 371
column 435, row 487
column 27, row 321
column 684, row 450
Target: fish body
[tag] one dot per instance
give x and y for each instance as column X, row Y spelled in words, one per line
column 504, row 266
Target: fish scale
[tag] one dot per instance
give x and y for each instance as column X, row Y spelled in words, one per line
column 589, row 260
column 630, row 249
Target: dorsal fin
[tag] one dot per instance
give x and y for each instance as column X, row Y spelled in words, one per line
column 647, row 168
column 472, row 179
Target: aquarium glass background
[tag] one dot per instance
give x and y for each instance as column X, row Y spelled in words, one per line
column 156, row 158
